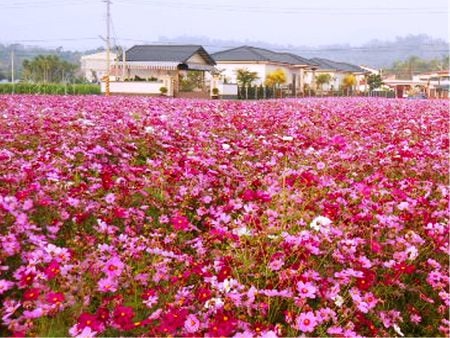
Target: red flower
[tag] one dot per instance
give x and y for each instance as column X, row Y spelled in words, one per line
column 173, row 319
column 55, row 297
column 31, row 294
column 223, row 325
column 27, row 279
column 366, row 281
column 203, row 294
column 123, row 316
column 147, row 294
column 224, row 273
column 102, row 314
column 404, row 268
column 87, row 319
column 52, row 270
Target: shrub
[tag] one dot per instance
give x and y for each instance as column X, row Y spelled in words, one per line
column 49, row 88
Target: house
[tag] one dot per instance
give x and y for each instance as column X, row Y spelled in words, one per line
column 93, row 66
column 338, row 71
column 147, row 69
column 436, row 83
column 263, row 62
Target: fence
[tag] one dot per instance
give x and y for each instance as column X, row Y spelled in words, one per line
column 263, row 92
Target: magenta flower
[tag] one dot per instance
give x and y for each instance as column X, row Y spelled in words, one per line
column 123, row 316
column 55, row 297
column 52, row 270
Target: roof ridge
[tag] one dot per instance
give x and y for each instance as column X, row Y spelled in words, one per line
column 252, row 49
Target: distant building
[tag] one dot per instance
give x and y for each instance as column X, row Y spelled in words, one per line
column 93, row 66
column 147, row 69
column 437, row 83
column 338, row 71
column 263, row 62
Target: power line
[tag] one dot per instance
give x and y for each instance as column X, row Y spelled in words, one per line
column 291, row 10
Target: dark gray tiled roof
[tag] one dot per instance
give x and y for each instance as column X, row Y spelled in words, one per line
column 326, row 64
column 248, row 53
column 166, row 53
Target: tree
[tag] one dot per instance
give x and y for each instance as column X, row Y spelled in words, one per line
column 323, row 79
column 349, row 81
column 245, row 77
column 374, row 81
column 192, row 80
column 275, row 78
column 48, row 68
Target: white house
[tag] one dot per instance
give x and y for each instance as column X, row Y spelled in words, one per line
column 93, row 66
column 338, row 71
column 148, row 69
column 263, row 62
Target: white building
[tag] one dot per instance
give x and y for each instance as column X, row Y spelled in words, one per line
column 264, row 62
column 93, row 66
column 338, row 71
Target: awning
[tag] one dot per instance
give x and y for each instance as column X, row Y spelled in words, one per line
column 149, row 65
column 199, row 66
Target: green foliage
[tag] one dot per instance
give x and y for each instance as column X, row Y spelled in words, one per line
column 413, row 65
column 163, row 90
column 245, row 77
column 192, row 80
column 322, row 79
column 215, row 91
column 49, row 68
column 275, row 78
column 49, row 88
column 349, row 81
column 374, row 81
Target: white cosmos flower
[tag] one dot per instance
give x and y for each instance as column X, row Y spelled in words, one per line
column 339, row 301
column 319, row 223
column 397, row 329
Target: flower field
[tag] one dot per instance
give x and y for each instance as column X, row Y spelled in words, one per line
column 164, row 217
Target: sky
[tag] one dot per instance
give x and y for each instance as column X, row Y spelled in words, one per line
column 81, row 24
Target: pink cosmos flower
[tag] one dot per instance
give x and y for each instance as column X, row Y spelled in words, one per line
column 107, row 285
column 113, row 267
column 192, row 324
column 110, row 198
column 306, row 290
column 306, row 322
column 5, row 285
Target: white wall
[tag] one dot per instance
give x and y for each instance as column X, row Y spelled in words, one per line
column 130, row 87
column 262, row 69
column 230, row 71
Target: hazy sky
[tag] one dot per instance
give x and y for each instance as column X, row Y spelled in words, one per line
column 77, row 24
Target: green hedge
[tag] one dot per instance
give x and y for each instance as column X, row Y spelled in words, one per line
column 49, row 88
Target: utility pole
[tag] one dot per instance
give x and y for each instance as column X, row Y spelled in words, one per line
column 108, row 45
column 12, row 71
column 123, row 63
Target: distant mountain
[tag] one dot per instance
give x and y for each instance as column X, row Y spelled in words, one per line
column 375, row 53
